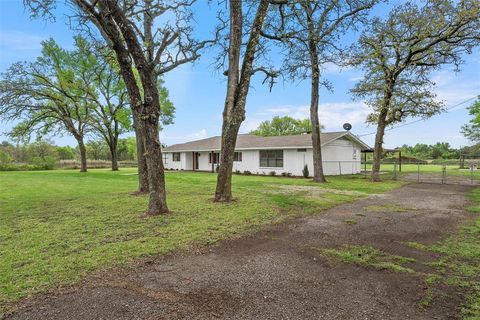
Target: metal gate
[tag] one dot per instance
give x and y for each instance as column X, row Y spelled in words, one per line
column 442, row 174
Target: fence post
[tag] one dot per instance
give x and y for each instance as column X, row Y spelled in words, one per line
column 418, row 171
column 444, row 173
column 471, row 175
column 395, row 170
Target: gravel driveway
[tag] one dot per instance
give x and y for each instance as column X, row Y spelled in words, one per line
column 277, row 273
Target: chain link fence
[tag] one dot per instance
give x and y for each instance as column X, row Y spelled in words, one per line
column 441, row 172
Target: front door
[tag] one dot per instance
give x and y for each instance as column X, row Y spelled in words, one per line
column 195, row 160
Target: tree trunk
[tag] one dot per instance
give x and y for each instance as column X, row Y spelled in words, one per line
column 113, row 153
column 83, row 155
column 153, row 154
column 318, row 175
column 149, row 111
column 141, row 160
column 237, row 91
column 223, row 192
column 378, row 149
column 108, row 27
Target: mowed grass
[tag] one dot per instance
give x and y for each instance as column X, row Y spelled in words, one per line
column 57, row 226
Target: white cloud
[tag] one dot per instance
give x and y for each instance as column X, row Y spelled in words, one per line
column 173, row 139
column 355, row 78
column 454, row 88
column 332, row 68
column 13, row 40
column 332, row 115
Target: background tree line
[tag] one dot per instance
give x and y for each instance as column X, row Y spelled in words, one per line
column 45, row 155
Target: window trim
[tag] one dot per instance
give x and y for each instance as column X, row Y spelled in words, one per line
column 173, row 156
column 239, row 157
column 216, row 157
column 276, row 159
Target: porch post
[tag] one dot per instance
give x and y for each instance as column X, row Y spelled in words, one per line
column 193, row 160
column 211, row 157
column 365, row 161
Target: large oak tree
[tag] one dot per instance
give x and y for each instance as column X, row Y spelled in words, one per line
column 48, row 95
column 151, row 37
column 311, row 34
column 242, row 52
column 399, row 53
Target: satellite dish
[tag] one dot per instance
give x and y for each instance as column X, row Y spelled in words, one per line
column 347, row 126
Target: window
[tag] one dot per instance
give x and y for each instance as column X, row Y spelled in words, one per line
column 165, row 159
column 237, row 156
column 302, row 150
column 176, row 156
column 271, row 158
column 216, row 157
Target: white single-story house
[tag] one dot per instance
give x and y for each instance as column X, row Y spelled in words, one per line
column 341, row 152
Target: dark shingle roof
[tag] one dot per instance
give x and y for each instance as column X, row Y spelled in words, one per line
column 248, row 141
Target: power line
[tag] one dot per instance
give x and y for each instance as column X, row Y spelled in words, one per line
column 419, row 120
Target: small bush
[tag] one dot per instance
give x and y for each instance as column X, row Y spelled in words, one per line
column 217, row 168
column 272, row 173
column 247, row 173
column 305, row 172
column 238, row 172
column 286, row 174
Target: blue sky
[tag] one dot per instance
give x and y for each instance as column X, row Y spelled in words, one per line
column 198, row 92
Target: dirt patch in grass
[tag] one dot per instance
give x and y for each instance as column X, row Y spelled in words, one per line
column 313, row 191
column 388, row 208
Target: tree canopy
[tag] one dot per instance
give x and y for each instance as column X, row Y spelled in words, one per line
column 472, row 129
column 398, row 55
column 283, row 126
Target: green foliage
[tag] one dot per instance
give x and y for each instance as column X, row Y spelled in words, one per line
column 75, row 224
column 66, row 153
column 305, row 172
column 472, row 129
column 283, row 126
column 369, row 256
column 97, row 150
column 5, row 158
column 127, row 149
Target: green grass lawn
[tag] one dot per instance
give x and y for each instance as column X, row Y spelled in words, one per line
column 57, row 226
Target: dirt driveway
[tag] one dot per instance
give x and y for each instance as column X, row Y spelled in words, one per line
column 278, row 273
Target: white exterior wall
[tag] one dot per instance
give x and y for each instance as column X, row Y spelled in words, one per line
column 338, row 158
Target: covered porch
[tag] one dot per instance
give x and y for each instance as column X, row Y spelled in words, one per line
column 202, row 160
